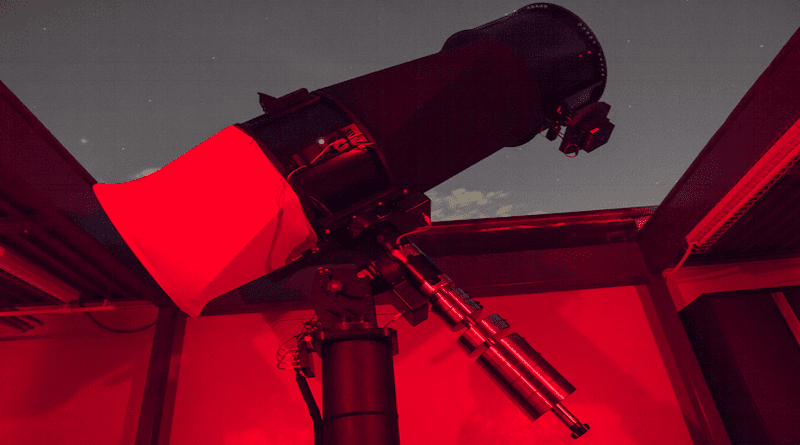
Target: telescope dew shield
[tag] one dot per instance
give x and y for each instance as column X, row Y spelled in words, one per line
column 218, row 217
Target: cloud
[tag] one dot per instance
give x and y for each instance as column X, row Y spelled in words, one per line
column 143, row 173
column 503, row 211
column 464, row 204
column 463, row 198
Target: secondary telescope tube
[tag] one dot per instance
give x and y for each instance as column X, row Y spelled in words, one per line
column 528, row 378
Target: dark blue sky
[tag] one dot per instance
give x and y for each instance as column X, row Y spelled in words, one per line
column 128, row 86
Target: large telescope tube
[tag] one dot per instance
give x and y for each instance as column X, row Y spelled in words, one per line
column 316, row 161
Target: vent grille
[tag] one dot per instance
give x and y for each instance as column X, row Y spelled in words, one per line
column 781, row 156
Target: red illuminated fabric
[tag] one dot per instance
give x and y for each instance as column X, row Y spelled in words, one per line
column 212, row 220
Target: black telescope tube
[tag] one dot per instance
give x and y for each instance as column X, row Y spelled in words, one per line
column 490, row 87
column 429, row 119
column 434, row 117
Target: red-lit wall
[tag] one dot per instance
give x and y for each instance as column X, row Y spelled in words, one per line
column 71, row 382
column 230, row 391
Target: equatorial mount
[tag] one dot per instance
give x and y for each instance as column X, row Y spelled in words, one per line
column 358, row 379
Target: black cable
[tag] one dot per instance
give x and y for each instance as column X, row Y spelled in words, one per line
column 313, row 409
column 120, row 331
column 282, row 356
column 115, row 330
column 308, row 327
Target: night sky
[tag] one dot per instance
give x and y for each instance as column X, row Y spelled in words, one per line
column 128, row 86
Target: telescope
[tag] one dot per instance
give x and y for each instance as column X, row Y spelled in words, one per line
column 336, row 179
